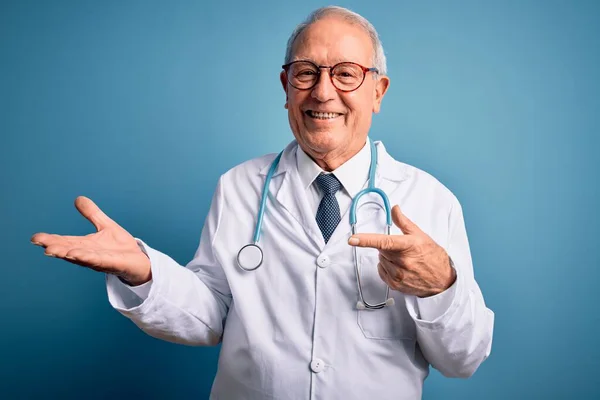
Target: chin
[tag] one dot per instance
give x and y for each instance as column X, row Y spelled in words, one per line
column 322, row 141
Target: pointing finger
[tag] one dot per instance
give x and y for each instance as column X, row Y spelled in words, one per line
column 380, row 241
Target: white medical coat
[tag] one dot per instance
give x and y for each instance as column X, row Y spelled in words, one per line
column 291, row 329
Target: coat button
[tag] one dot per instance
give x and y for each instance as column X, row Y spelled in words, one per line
column 317, row 365
column 323, row 261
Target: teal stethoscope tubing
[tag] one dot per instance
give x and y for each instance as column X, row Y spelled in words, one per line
column 263, row 200
column 250, row 256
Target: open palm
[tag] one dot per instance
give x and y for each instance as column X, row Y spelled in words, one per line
column 111, row 249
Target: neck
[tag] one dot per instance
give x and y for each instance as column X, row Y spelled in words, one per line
column 332, row 160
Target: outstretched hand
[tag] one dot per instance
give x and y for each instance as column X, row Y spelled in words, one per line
column 412, row 263
column 111, row 249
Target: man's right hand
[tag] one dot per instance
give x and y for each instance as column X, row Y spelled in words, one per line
column 111, row 249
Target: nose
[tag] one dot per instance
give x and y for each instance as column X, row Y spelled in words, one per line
column 324, row 89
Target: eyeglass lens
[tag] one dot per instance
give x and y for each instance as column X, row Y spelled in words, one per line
column 346, row 76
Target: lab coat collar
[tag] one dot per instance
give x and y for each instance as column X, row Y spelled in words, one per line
column 387, row 167
column 352, row 174
column 287, row 161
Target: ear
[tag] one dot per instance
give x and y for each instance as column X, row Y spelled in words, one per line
column 382, row 85
column 284, row 83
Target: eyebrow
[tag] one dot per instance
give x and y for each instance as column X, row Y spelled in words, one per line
column 335, row 61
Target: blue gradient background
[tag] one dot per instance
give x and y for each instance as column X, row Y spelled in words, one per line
column 141, row 105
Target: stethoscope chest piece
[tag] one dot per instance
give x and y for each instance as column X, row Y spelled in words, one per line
column 250, row 257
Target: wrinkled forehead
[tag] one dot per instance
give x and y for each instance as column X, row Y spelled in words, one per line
column 332, row 40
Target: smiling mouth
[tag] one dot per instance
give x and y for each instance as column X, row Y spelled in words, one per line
column 322, row 115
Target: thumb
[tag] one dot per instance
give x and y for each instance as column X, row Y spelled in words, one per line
column 93, row 213
column 401, row 221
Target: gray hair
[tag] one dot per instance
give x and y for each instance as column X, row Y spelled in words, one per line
column 379, row 61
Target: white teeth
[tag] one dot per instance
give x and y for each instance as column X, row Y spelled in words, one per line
column 321, row 115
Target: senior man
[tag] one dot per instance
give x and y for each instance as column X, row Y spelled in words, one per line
column 297, row 326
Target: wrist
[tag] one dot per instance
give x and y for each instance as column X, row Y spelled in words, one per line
column 451, row 274
column 138, row 278
column 452, row 278
column 449, row 281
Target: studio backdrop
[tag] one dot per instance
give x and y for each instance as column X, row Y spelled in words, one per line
column 142, row 105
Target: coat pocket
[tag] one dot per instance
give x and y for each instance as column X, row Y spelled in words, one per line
column 390, row 322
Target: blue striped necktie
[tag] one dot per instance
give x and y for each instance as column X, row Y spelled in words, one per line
column 328, row 213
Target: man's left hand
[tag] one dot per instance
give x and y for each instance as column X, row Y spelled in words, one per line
column 412, row 263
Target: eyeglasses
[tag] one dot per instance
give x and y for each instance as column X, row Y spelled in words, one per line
column 345, row 76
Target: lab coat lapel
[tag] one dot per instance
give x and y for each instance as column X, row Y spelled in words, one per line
column 292, row 197
column 389, row 176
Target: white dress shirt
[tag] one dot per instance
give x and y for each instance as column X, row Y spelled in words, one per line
column 353, row 175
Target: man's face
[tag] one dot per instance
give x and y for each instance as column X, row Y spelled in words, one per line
column 328, row 42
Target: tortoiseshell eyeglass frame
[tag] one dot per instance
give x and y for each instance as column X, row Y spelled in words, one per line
column 365, row 70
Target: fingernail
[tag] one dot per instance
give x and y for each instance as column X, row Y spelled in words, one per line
column 36, row 243
column 353, row 241
column 69, row 258
column 50, row 255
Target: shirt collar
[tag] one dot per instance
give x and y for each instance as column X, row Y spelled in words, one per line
column 353, row 174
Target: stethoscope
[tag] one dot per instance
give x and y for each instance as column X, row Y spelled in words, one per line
column 250, row 257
